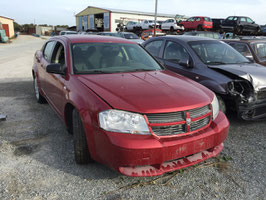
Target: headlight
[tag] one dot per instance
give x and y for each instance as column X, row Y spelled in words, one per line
column 123, row 122
column 215, row 107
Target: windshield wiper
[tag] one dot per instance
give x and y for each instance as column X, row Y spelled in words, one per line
column 142, row 70
column 95, row 72
column 217, row 63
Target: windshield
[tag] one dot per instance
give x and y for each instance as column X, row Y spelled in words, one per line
column 260, row 50
column 131, row 36
column 216, row 53
column 94, row 58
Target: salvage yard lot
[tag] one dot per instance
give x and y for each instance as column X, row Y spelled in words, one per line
column 37, row 161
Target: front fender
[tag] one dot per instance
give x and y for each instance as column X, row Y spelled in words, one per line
column 214, row 86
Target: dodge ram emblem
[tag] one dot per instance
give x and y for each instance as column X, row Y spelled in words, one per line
column 188, row 121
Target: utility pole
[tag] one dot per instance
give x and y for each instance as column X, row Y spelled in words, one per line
column 155, row 20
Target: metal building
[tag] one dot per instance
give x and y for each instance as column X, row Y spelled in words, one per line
column 102, row 19
column 8, row 25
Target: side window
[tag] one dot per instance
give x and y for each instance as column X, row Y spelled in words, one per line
column 241, row 48
column 154, row 47
column 249, row 20
column 197, row 19
column 243, row 19
column 47, row 52
column 58, row 55
column 191, row 19
column 175, row 52
column 230, row 18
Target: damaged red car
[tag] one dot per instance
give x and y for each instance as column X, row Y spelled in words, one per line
column 124, row 109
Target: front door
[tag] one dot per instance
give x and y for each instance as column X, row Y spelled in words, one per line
column 55, row 84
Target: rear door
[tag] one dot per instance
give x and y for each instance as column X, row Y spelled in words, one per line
column 251, row 24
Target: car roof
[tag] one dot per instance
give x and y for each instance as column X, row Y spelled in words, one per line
column 237, row 16
column 187, row 38
column 127, row 33
column 248, row 40
column 202, row 16
column 201, row 32
column 92, row 38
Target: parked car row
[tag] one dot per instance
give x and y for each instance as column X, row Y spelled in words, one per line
column 236, row 24
column 148, row 109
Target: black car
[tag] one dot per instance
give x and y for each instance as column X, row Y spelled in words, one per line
column 240, row 25
column 216, row 24
column 239, row 84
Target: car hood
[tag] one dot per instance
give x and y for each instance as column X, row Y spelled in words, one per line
column 254, row 73
column 148, row 92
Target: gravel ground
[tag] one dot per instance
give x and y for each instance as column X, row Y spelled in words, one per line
column 36, row 153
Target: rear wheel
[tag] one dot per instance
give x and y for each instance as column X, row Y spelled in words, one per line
column 81, row 151
column 172, row 29
column 40, row 99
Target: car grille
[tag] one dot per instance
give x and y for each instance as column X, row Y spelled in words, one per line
column 261, row 95
column 180, row 118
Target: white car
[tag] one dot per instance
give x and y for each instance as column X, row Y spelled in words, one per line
column 131, row 25
column 68, row 33
column 146, row 24
column 130, row 36
column 171, row 24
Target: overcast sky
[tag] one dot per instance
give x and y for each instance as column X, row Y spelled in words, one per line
column 61, row 12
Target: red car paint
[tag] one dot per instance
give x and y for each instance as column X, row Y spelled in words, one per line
column 140, row 92
column 197, row 23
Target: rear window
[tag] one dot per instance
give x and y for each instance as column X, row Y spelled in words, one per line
column 131, row 36
column 207, row 19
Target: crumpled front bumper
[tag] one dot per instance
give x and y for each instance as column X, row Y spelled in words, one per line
column 171, row 165
column 253, row 110
column 136, row 155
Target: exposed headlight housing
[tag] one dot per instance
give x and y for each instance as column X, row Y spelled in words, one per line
column 215, row 107
column 123, row 122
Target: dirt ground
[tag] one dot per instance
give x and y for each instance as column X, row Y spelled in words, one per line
column 37, row 161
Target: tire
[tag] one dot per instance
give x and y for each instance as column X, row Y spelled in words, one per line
column 39, row 98
column 239, row 30
column 258, row 31
column 222, row 105
column 81, row 150
column 172, row 29
column 199, row 28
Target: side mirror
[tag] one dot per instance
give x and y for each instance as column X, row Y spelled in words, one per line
column 185, row 62
column 55, row 69
column 250, row 57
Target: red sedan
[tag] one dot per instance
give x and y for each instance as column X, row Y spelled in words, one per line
column 124, row 109
column 197, row 23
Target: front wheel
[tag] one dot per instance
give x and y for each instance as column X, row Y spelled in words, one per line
column 199, row 28
column 81, row 150
column 40, row 99
column 258, row 31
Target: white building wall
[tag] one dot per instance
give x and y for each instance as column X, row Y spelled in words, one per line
column 125, row 17
column 40, row 30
